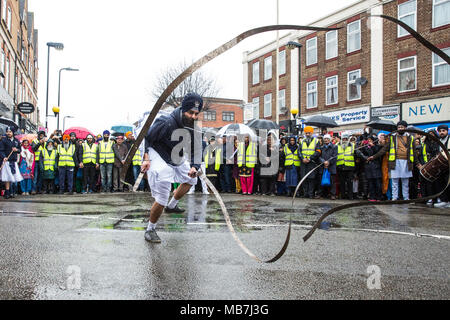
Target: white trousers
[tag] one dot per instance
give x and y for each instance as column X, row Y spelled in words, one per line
column 161, row 176
column 405, row 188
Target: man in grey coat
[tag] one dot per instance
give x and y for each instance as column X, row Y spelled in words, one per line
column 120, row 153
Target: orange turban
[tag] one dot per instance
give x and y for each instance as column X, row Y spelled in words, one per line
column 309, row 129
column 66, row 137
column 129, row 133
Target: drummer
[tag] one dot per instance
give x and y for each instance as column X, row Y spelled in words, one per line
column 443, row 200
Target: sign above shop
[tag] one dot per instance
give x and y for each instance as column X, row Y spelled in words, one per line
column 426, row 111
column 26, row 107
column 391, row 113
column 350, row 116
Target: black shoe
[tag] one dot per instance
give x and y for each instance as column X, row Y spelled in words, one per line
column 174, row 210
column 151, row 236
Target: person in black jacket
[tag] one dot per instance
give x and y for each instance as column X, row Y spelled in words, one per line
column 429, row 149
column 328, row 157
column 168, row 162
column 9, row 151
column 372, row 168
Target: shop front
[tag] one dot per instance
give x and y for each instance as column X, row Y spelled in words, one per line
column 427, row 114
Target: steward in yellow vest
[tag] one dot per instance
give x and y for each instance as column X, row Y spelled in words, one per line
column 88, row 163
column 48, row 166
column 346, row 166
column 309, row 154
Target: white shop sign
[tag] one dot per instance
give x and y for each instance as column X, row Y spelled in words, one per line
column 391, row 113
column 350, row 116
column 425, row 111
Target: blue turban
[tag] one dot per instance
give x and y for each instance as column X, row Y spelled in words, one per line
column 192, row 101
column 106, row 132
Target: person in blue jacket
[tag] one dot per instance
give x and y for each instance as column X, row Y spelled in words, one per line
column 165, row 163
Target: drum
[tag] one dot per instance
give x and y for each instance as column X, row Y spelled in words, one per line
column 434, row 168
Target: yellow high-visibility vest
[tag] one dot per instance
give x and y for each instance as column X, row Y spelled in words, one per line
column 346, row 157
column 106, row 152
column 49, row 159
column 89, row 153
column 37, row 154
column 66, row 156
column 218, row 160
column 392, row 151
column 424, row 151
column 308, row 151
column 291, row 157
column 250, row 155
column 137, row 158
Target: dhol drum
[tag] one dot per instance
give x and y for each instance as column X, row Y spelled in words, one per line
column 434, row 168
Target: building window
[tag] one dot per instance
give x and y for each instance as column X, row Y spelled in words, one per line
column 2, row 69
column 311, row 51
column 228, row 116
column 441, row 13
column 267, row 105
column 268, row 68
column 255, row 102
column 9, row 19
column 407, row 14
column 354, row 36
column 331, row 44
column 7, row 74
column 407, row 74
column 441, row 70
column 311, row 92
column 4, row 10
column 353, row 90
column 281, row 99
column 332, row 90
column 255, row 73
column 209, row 116
column 282, row 62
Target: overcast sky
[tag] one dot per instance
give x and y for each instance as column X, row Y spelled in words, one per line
column 121, row 46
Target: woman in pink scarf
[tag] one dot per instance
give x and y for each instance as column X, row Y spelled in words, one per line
column 26, row 167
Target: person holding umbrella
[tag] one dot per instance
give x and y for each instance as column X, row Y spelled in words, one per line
column 247, row 158
column 9, row 151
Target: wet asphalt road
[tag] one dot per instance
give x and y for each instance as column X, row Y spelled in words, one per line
column 92, row 247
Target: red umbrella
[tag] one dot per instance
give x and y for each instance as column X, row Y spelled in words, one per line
column 79, row 131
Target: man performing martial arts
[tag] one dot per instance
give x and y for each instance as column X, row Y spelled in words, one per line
column 161, row 165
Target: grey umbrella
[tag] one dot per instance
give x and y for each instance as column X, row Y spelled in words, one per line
column 262, row 124
column 386, row 125
column 321, row 122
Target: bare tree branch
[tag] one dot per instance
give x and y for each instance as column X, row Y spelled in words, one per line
column 198, row 82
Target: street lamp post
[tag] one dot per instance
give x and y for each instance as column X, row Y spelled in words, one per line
column 292, row 45
column 64, row 122
column 59, row 89
column 57, row 46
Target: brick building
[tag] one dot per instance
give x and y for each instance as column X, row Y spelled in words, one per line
column 220, row 112
column 358, row 72
column 18, row 62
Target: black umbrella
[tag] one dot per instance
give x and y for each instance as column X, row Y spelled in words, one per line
column 9, row 123
column 321, row 122
column 118, row 134
column 263, row 124
column 385, row 125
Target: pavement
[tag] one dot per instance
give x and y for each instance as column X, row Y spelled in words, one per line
column 92, row 247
